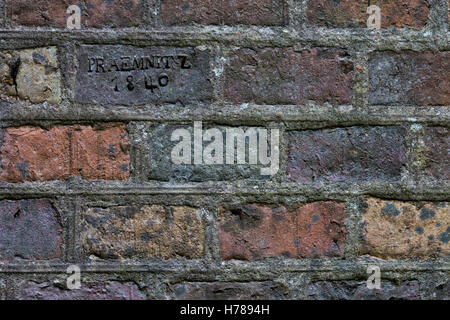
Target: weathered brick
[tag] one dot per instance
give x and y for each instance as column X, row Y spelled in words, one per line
column 256, row 231
column 94, row 13
column 155, row 152
column 417, row 78
column 31, row 74
column 442, row 291
column 283, row 76
column 30, row 230
column 110, row 290
column 143, row 232
column 100, row 153
column 128, row 75
column 357, row 290
column 437, row 142
column 346, row 154
column 351, row 13
column 35, row 154
column 403, row 230
column 2, row 287
column 265, row 290
column 2, row 13
column 263, row 12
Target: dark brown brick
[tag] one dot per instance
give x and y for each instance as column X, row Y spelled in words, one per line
column 283, row 76
column 36, row 154
column 100, row 153
column 29, row 230
column 437, row 142
column 265, row 290
column 2, row 287
column 229, row 12
column 255, row 231
column 111, row 290
column 412, row 78
column 346, row 154
column 143, row 232
column 356, row 290
column 351, row 13
column 94, row 13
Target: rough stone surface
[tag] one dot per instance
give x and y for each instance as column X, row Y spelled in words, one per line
column 346, row 154
column 127, row 75
column 283, row 76
column 437, row 144
column 94, row 13
column 89, row 291
column 35, row 154
column 155, row 148
column 355, row 290
column 100, row 153
column 416, row 78
column 266, row 290
column 29, row 230
column 404, row 230
column 31, row 74
column 143, row 232
column 255, row 231
column 362, row 114
column 2, row 289
column 350, row 13
column 263, row 12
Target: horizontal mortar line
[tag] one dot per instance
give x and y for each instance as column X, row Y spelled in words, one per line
column 275, row 36
column 231, row 113
column 413, row 191
column 272, row 266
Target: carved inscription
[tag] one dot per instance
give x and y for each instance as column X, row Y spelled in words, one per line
column 126, row 75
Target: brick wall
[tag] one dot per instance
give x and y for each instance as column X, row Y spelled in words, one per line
column 86, row 176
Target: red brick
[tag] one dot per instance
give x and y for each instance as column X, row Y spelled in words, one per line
column 229, row 12
column 346, row 154
column 94, row 13
column 30, row 230
column 405, row 230
column 417, row 78
column 36, row 154
column 437, row 142
column 256, row 231
column 351, row 13
column 110, row 290
column 283, row 76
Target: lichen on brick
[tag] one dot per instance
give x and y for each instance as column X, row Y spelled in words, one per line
column 257, row 231
column 134, row 232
